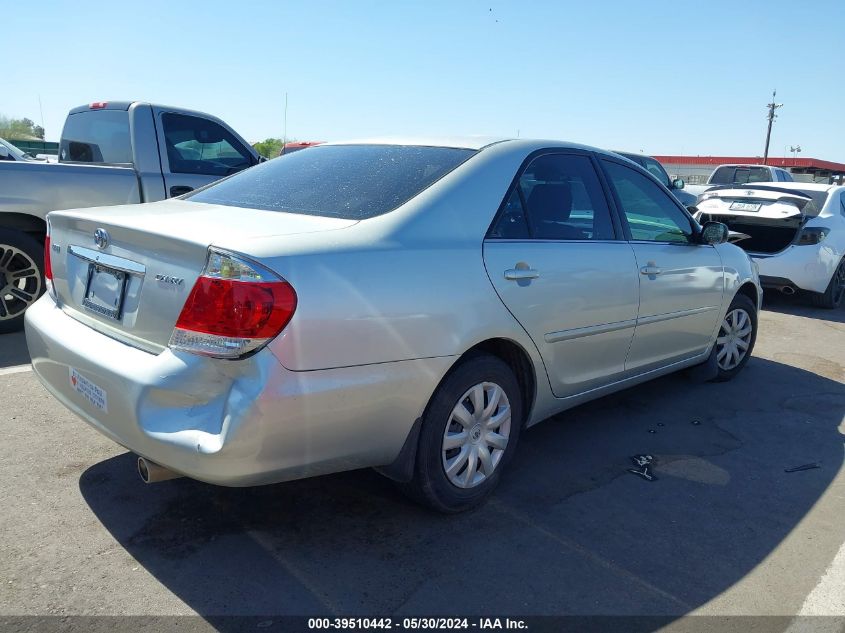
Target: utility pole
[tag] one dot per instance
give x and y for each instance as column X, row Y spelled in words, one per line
column 772, row 116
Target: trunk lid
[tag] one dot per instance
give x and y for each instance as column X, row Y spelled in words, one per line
column 133, row 283
column 771, row 218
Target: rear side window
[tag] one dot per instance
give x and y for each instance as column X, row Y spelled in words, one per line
column 199, row 146
column 353, row 182
column 96, row 136
column 557, row 197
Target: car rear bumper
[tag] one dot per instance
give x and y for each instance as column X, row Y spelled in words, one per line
column 233, row 423
column 803, row 267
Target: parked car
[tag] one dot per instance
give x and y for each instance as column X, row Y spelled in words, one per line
column 725, row 175
column 410, row 306
column 10, row 152
column 796, row 234
column 652, row 166
column 110, row 153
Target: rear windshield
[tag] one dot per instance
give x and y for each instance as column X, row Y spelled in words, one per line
column 96, row 136
column 740, row 175
column 353, row 182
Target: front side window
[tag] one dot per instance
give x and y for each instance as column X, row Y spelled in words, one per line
column 199, row 146
column 352, row 182
column 651, row 214
column 557, row 197
column 656, row 170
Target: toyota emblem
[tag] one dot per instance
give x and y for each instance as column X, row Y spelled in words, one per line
column 101, row 238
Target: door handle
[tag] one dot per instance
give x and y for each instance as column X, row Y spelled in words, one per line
column 651, row 269
column 516, row 274
column 179, row 190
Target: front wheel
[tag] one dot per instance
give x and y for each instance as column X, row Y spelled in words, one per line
column 737, row 335
column 832, row 297
column 469, row 432
column 21, row 277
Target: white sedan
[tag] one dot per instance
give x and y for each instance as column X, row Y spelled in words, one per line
column 796, row 234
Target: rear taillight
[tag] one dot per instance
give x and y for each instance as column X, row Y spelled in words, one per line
column 48, row 266
column 812, row 235
column 235, row 307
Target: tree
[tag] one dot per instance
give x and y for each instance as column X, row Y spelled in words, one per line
column 24, row 129
column 269, row 148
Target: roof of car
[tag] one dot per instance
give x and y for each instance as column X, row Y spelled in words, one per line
column 471, row 142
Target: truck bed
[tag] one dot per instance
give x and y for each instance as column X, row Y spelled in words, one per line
column 37, row 188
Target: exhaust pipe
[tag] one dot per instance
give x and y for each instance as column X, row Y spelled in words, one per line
column 787, row 290
column 152, row 473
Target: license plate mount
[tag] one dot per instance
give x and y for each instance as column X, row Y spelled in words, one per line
column 104, row 291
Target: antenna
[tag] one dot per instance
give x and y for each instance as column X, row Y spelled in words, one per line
column 285, row 129
column 772, row 116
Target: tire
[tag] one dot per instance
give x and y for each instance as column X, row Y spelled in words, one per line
column 832, row 297
column 21, row 277
column 478, row 376
column 733, row 333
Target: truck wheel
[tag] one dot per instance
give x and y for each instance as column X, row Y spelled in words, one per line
column 469, row 432
column 21, row 277
column 832, row 297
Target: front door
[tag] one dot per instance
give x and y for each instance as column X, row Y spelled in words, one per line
column 196, row 151
column 555, row 260
column 681, row 281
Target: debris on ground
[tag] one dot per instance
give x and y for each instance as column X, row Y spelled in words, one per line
column 644, row 464
column 802, row 467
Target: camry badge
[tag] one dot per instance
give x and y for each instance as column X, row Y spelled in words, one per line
column 101, row 238
column 176, row 281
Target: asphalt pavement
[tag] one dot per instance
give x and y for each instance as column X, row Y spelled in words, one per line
column 724, row 529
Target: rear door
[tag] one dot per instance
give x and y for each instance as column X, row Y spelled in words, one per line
column 196, row 151
column 681, row 282
column 557, row 260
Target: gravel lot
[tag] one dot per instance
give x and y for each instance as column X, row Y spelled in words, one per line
column 723, row 530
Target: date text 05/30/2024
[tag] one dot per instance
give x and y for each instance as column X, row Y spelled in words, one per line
column 417, row 624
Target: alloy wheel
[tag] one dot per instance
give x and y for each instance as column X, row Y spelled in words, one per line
column 476, row 435
column 734, row 339
column 20, row 282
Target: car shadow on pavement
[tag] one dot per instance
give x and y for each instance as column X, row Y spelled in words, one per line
column 569, row 531
column 800, row 305
column 13, row 350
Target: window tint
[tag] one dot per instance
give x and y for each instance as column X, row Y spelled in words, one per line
column 656, row 170
column 557, row 197
column 651, row 213
column 344, row 181
column 199, row 146
column 842, row 203
column 723, row 176
column 96, row 136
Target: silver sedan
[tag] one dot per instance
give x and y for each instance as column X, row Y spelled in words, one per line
column 406, row 305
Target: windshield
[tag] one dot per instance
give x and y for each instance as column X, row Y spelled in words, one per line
column 353, row 182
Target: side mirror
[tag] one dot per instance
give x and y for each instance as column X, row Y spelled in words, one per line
column 678, row 183
column 4, row 152
column 714, row 233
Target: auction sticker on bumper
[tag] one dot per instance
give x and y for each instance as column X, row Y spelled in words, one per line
column 92, row 393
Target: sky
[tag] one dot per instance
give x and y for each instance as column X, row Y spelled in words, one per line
column 659, row 77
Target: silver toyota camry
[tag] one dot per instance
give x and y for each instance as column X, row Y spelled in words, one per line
column 406, row 305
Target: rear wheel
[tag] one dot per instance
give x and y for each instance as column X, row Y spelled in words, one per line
column 21, row 277
column 469, row 432
column 832, row 297
column 737, row 335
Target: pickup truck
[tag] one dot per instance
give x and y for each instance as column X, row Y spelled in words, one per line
column 740, row 175
column 110, row 153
